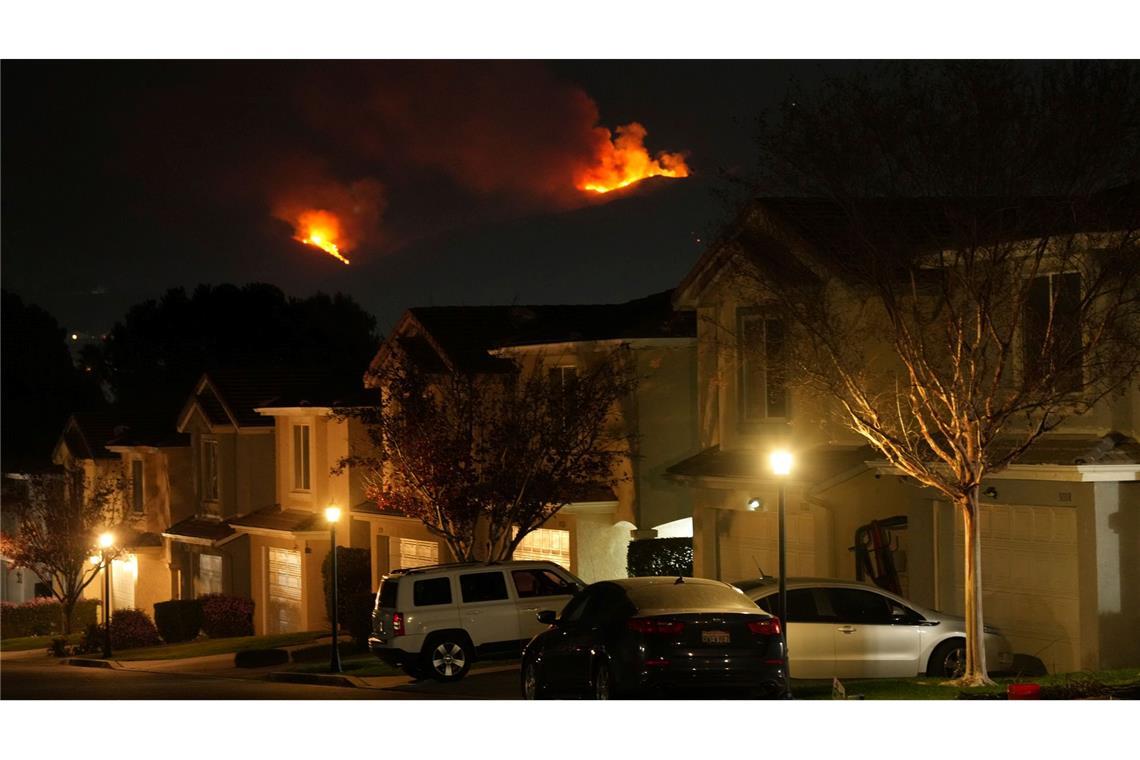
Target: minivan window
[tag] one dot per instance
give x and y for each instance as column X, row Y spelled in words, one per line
column 483, row 587
column 389, row 590
column 431, row 591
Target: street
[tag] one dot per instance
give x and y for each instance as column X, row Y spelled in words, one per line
column 41, row 678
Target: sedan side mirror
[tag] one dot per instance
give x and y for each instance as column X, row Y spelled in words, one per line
column 547, row 617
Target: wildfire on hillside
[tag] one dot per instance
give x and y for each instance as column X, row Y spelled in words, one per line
column 623, row 160
column 320, row 229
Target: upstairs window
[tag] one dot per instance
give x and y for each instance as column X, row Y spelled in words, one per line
column 301, row 458
column 137, row 486
column 763, row 384
column 564, row 377
column 1053, row 347
column 210, row 490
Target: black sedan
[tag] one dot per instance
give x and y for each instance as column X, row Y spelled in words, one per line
column 649, row 636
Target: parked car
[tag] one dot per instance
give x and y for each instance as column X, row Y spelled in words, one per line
column 655, row 635
column 845, row 629
column 435, row 621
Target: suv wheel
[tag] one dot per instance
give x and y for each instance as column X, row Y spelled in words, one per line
column 447, row 658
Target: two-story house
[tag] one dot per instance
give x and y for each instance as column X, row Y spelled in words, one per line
column 590, row 538
column 1060, row 534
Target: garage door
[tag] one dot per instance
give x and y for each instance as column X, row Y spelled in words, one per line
column 747, row 543
column 1029, row 579
column 284, row 614
column 545, row 543
column 414, row 553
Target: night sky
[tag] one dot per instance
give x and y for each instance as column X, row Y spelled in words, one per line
column 121, row 179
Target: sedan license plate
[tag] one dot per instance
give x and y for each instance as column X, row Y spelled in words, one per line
column 714, row 637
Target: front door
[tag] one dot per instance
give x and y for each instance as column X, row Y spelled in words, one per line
column 869, row 642
column 284, row 591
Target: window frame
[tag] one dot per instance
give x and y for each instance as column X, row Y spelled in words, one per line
column 211, row 480
column 1052, row 302
column 138, row 486
column 302, row 457
column 745, row 369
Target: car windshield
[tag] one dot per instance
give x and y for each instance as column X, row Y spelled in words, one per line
column 682, row 596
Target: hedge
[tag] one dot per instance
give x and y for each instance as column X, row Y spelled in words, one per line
column 660, row 556
column 178, row 619
column 130, row 629
column 224, row 616
column 43, row 616
column 354, row 591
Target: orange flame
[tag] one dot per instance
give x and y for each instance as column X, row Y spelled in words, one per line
column 320, row 229
column 623, row 160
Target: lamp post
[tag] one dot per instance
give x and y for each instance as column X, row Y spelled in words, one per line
column 332, row 514
column 781, row 463
column 106, row 541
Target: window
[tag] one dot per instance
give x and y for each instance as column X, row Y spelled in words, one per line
column 531, row 583
column 483, row 587
column 414, row 553
column 431, row 591
column 805, row 605
column 857, row 606
column 545, row 544
column 1052, row 334
column 209, row 578
column 301, row 458
column 210, row 470
column 564, row 377
column 137, row 485
column 763, row 386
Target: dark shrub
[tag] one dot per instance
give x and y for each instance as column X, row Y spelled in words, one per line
column 660, row 556
column 357, row 617
column 43, row 616
column 224, row 616
column 58, row 647
column 178, row 619
column 92, row 641
column 131, row 629
column 354, row 576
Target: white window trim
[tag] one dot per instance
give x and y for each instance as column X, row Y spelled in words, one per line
column 1019, row 356
column 140, row 507
column 307, row 457
column 211, row 444
column 743, row 420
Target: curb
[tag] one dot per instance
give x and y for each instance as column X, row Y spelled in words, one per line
column 318, row 679
column 82, row 662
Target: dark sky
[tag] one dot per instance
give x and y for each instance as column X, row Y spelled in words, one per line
column 121, row 179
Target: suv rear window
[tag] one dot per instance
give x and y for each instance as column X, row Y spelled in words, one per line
column 483, row 587
column 389, row 588
column 431, row 591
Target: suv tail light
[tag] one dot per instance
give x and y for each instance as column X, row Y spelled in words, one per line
column 397, row 624
column 651, row 627
column 769, row 627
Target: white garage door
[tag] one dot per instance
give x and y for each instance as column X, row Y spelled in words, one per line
column 1029, row 579
column 545, row 543
column 284, row 576
column 748, row 543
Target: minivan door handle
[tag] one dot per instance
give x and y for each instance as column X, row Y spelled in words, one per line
column 846, row 629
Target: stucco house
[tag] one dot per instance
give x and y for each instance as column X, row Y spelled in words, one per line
column 587, row 537
column 1060, row 530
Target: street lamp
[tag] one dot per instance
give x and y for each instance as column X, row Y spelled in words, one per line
column 106, row 541
column 332, row 514
column 780, row 461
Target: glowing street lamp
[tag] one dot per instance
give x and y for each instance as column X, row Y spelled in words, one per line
column 332, row 515
column 780, row 461
column 106, row 541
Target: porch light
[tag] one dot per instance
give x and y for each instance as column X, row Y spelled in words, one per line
column 332, row 514
column 753, row 504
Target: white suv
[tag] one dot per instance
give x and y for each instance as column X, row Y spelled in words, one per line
column 434, row 621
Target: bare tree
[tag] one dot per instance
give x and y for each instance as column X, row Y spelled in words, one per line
column 483, row 459
column 955, row 251
column 56, row 522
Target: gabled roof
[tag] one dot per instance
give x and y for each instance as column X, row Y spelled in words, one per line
column 282, row 520
column 86, row 435
column 231, row 397
column 464, row 336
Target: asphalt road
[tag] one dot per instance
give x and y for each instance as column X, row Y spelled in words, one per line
column 46, row 679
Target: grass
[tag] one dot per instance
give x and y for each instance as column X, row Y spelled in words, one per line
column 931, row 688
column 204, row 647
column 24, row 643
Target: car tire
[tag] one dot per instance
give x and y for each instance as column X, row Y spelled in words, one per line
column 948, row 659
column 602, row 685
column 532, row 687
column 446, row 657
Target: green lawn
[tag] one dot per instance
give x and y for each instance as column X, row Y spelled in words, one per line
column 24, row 643
column 930, row 688
column 205, row 647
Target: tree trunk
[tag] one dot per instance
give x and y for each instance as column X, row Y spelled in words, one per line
column 67, row 610
column 975, row 673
